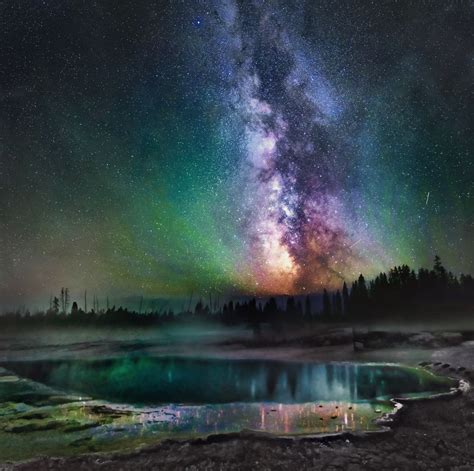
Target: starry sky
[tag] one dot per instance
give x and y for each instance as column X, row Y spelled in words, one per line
column 233, row 147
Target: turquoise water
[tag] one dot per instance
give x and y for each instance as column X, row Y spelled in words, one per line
column 154, row 381
column 66, row 407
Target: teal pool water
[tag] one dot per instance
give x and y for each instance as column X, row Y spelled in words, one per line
column 75, row 406
column 154, row 381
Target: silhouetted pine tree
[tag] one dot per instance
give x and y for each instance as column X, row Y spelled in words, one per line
column 307, row 307
column 198, row 310
column 354, row 300
column 338, row 304
column 74, row 309
column 270, row 308
column 290, row 307
column 345, row 298
column 56, row 305
column 299, row 311
column 326, row 304
column 362, row 292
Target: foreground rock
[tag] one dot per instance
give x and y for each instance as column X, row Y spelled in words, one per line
column 387, row 339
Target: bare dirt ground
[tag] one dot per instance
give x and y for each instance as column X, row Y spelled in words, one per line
column 431, row 434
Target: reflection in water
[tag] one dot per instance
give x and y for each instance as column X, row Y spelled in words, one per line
column 139, row 400
column 282, row 419
column 154, row 381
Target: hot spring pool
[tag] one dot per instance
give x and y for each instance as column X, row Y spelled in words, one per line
column 71, row 406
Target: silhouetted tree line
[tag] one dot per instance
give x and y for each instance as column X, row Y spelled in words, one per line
column 401, row 290
column 112, row 316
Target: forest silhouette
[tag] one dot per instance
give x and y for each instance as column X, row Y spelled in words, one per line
column 427, row 295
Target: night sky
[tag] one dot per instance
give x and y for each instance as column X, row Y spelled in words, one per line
column 235, row 147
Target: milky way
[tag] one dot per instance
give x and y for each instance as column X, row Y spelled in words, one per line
column 298, row 235
column 231, row 147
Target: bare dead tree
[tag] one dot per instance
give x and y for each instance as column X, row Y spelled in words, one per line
column 66, row 300
column 63, row 306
